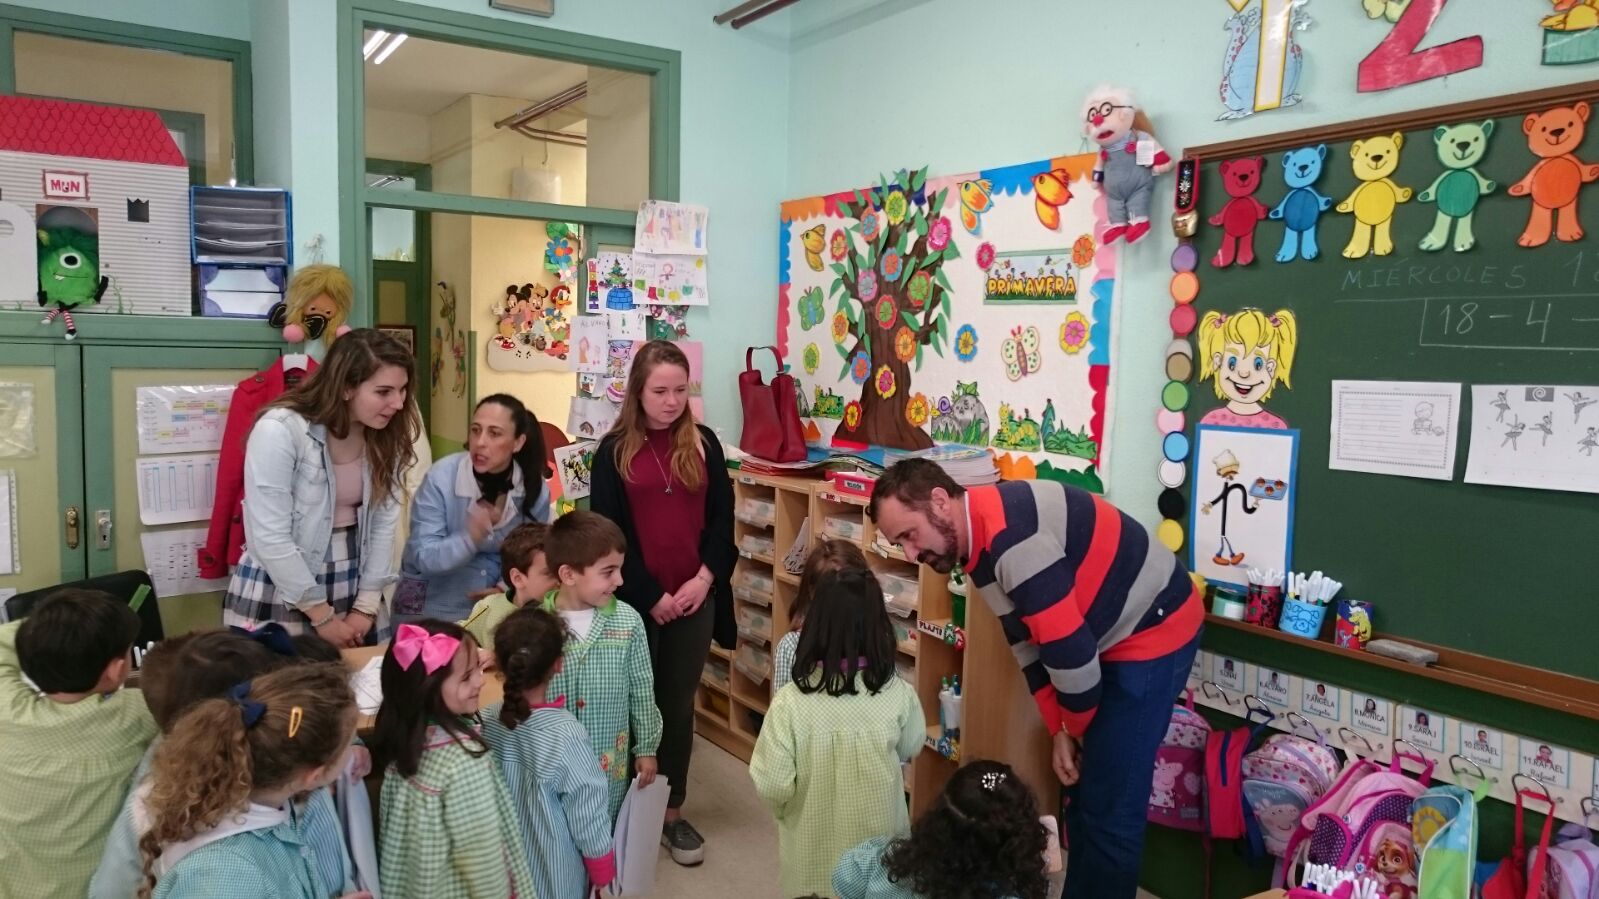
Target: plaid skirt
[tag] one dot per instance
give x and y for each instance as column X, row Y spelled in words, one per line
column 252, row 600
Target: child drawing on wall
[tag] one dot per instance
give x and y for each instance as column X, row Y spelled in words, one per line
column 1227, row 467
column 1247, row 354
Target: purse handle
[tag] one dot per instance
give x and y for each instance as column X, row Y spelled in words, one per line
column 749, row 357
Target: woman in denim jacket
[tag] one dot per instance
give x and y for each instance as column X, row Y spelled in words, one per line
column 322, row 493
column 466, row 506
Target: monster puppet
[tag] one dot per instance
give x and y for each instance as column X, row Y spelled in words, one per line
column 1129, row 160
column 69, row 273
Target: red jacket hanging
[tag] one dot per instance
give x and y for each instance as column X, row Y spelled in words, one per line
column 224, row 541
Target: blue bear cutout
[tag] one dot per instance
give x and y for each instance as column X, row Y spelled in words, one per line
column 1300, row 211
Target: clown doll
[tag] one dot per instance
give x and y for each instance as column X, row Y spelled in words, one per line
column 317, row 305
column 1248, row 354
column 1129, row 160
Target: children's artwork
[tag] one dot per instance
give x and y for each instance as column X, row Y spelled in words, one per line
column 1233, row 529
column 592, row 285
column 1571, row 34
column 1460, row 148
column 619, row 356
column 590, row 344
column 1320, row 699
column 574, row 465
column 1423, row 729
column 1374, row 201
column 589, row 419
column 1549, row 765
column 1372, row 714
column 1556, row 178
column 532, row 333
column 561, row 253
column 1397, row 61
column 69, row 262
column 1262, row 61
column 1301, row 208
column 1237, row 219
column 665, row 228
column 1247, row 354
column 667, row 322
column 901, row 310
column 671, row 280
column 1483, row 745
column 1404, row 428
column 627, row 326
column 614, row 272
column 1534, row 435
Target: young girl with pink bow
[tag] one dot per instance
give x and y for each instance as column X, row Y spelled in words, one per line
column 448, row 829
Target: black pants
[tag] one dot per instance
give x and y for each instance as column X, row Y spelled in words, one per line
column 678, row 652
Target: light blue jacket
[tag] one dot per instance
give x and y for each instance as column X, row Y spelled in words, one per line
column 288, row 511
column 441, row 553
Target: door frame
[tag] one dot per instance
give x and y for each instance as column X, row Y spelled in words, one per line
column 67, row 362
column 418, row 312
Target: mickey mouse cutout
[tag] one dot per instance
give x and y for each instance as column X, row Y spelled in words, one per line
column 319, row 299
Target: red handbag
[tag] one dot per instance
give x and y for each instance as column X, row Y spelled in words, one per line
column 771, row 412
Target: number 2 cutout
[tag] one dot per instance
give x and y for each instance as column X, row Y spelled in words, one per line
column 1396, row 62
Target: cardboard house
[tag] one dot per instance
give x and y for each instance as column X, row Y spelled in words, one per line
column 114, row 172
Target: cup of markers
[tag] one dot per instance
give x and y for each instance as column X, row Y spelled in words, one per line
column 1305, row 603
column 1265, row 597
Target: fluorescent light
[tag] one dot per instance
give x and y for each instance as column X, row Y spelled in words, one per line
column 372, row 43
column 389, row 50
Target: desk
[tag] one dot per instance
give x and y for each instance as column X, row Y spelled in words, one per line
column 493, row 686
column 1270, row 894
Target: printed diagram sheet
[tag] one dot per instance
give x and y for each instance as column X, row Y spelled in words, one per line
column 1543, row 436
column 1403, row 428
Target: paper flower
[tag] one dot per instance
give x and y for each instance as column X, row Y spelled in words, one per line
column 869, row 226
column 895, row 206
column 838, row 245
column 886, row 314
column 852, row 415
column 891, row 265
column 985, row 255
column 884, row 379
column 917, row 411
column 812, row 358
column 1083, row 250
column 860, row 367
column 1074, row 333
column 919, row 288
column 840, row 327
column 867, row 285
column 810, row 308
column 938, row 235
column 905, row 343
column 966, row 343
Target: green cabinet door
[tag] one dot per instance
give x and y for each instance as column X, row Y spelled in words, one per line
column 41, row 459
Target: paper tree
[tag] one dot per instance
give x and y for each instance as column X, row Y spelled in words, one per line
column 892, row 303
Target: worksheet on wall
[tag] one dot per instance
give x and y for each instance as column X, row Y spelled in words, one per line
column 1402, row 428
column 176, row 488
column 8, row 522
column 1544, row 436
column 172, row 559
column 183, row 419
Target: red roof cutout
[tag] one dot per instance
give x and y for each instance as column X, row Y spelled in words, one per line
column 65, row 128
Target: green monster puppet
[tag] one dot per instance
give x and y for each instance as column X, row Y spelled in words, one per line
column 69, row 273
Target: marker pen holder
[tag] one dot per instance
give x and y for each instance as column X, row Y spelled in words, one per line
column 1265, row 605
column 1302, row 619
column 1227, row 604
column 949, row 707
column 1352, row 630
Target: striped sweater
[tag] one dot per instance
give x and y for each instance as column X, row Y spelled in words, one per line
column 1075, row 581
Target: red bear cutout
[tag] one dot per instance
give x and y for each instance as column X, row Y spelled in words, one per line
column 1241, row 214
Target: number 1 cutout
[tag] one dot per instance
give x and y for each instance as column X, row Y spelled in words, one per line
column 1396, row 62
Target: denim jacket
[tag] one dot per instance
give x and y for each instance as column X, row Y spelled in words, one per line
column 288, row 511
column 441, row 553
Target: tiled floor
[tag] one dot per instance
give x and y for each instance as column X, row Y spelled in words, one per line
column 740, row 837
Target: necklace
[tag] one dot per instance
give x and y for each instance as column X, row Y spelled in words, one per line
column 658, row 466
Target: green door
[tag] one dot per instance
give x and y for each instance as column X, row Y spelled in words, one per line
column 42, row 519
column 400, row 304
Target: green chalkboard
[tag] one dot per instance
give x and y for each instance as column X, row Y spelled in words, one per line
column 1501, row 571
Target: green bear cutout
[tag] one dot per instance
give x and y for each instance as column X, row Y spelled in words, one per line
column 1460, row 148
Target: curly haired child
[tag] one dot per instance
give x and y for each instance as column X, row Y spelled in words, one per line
column 829, row 555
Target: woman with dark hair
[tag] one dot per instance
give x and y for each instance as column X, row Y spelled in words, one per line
column 466, row 506
column 323, row 472
column 663, row 480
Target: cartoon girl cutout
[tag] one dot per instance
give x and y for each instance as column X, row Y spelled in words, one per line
column 1247, row 354
column 1227, row 467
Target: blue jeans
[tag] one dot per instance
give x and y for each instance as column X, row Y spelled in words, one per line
column 1105, row 810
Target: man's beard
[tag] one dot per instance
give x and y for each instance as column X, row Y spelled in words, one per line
column 943, row 562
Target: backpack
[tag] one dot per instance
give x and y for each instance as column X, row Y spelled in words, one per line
column 1519, row 877
column 1363, row 823
column 1443, row 824
column 1224, row 778
column 1282, row 778
column 1573, row 868
column 1176, row 798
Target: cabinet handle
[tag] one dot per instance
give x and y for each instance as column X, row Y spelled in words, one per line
column 72, row 527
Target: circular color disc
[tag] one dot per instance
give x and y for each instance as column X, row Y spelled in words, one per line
column 1179, row 368
column 1180, row 347
column 1184, row 287
column 1183, row 319
column 1175, row 446
column 1174, row 396
column 1168, row 421
column 1185, row 258
column 1170, row 535
column 1172, row 503
column 1172, row 474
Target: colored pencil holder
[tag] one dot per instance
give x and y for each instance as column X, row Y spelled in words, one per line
column 1227, row 604
column 1265, row 605
column 1302, row 619
column 1352, row 630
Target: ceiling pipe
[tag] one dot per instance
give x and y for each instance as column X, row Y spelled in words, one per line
column 739, row 10
column 569, row 138
column 560, row 101
column 762, row 13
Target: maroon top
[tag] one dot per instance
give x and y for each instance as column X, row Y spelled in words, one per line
column 668, row 525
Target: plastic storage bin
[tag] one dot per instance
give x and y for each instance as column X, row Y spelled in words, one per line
column 754, row 661
column 841, row 527
column 902, row 594
column 756, row 624
column 757, row 545
column 757, row 512
column 716, row 671
column 752, row 585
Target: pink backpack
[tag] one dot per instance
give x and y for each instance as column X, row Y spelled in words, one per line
column 1177, row 796
column 1283, row 778
column 1573, row 868
column 1363, row 823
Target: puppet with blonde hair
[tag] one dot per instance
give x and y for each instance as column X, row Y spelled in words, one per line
column 1129, row 160
column 1248, row 354
column 317, row 305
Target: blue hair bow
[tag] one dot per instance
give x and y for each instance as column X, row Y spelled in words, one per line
column 250, row 710
column 273, row 636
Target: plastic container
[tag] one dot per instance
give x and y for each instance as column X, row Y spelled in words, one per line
column 1352, row 630
column 902, row 594
column 754, row 661
column 841, row 527
column 756, row 624
column 757, row 545
column 757, row 512
column 716, row 671
column 1265, row 605
column 1228, row 604
column 1302, row 619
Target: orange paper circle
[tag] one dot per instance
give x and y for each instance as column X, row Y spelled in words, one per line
column 1184, row 287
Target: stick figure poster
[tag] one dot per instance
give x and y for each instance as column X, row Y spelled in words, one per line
column 1245, row 481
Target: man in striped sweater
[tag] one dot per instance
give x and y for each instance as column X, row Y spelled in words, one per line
column 1103, row 620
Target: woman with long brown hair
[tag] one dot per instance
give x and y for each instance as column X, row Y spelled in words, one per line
column 663, row 479
column 323, row 488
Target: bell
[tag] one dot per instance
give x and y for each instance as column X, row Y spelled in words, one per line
column 1185, row 224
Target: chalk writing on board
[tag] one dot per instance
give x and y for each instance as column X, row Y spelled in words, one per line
column 1527, row 322
column 1406, row 274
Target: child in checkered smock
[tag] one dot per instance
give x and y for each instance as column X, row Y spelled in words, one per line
column 606, row 678
column 829, row 754
column 448, row 831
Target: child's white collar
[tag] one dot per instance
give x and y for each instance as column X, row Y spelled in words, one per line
column 254, row 817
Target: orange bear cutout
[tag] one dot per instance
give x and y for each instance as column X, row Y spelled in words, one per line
column 1557, row 177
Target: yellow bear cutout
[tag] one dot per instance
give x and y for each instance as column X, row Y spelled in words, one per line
column 1374, row 201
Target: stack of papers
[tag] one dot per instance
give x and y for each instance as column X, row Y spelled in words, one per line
column 969, row 466
column 368, row 686
column 638, row 837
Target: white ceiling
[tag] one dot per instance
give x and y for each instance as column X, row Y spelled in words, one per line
column 423, row 77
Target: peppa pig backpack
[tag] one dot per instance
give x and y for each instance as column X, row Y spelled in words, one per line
column 1177, row 798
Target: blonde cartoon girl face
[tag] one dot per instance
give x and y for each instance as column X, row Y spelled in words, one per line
column 1244, row 374
column 1248, row 354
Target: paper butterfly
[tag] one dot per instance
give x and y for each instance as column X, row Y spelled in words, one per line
column 1020, row 352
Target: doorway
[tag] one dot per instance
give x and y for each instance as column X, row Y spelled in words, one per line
column 401, row 242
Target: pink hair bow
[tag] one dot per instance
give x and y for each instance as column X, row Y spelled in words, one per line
column 435, row 650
